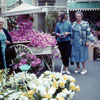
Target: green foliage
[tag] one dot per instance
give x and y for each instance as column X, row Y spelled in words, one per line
column 50, row 22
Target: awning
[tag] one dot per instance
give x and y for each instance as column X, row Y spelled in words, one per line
column 24, row 8
column 73, row 6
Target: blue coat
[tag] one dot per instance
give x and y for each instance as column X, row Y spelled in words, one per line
column 9, row 39
column 80, row 33
column 62, row 27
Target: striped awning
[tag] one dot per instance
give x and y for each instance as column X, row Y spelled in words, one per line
column 73, row 6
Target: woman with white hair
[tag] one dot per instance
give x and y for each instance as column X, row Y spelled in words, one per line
column 79, row 41
column 5, row 41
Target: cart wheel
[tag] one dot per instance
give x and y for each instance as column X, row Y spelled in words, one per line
column 20, row 48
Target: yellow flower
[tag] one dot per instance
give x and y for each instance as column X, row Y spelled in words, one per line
column 77, row 88
column 47, row 95
column 21, row 87
column 52, row 76
column 65, row 77
column 73, row 80
column 64, row 90
column 72, row 86
column 62, row 84
column 61, row 98
column 31, row 92
column 23, row 94
column 0, row 71
column 1, row 93
column 34, row 90
column 55, row 84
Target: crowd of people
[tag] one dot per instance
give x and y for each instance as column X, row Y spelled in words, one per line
column 72, row 41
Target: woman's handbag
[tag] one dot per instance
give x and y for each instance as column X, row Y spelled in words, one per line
column 10, row 53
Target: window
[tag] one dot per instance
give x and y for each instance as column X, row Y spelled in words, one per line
column 43, row 2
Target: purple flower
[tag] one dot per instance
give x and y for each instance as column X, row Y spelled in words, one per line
column 25, row 32
column 33, row 63
column 23, row 61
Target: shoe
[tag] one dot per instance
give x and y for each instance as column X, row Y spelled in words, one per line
column 68, row 72
column 84, row 71
column 76, row 71
column 63, row 72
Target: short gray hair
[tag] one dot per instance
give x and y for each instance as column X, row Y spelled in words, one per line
column 79, row 12
column 2, row 20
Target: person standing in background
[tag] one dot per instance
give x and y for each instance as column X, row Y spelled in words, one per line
column 79, row 41
column 63, row 30
column 5, row 42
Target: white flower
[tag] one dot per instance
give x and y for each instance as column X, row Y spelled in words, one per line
column 62, row 94
column 53, row 99
column 47, row 72
column 14, row 96
column 42, row 90
column 44, row 99
column 1, row 96
column 31, row 85
column 23, row 98
column 52, row 90
column 5, row 93
column 30, row 77
column 70, row 97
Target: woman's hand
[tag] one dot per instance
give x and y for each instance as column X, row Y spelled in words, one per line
column 87, row 44
column 58, row 35
column 66, row 34
column 7, row 42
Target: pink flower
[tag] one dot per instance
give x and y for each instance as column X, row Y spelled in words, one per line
column 33, row 63
column 23, row 61
column 25, row 32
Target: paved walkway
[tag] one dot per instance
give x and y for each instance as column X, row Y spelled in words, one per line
column 89, row 83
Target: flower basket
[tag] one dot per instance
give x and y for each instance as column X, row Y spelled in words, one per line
column 27, row 62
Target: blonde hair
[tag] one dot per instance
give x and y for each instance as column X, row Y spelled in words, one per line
column 2, row 20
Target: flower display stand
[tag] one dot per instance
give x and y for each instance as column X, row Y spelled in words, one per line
column 43, row 52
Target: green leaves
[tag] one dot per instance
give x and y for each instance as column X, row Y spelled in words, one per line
column 37, row 96
column 50, row 22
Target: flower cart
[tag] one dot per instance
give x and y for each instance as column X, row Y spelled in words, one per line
column 41, row 52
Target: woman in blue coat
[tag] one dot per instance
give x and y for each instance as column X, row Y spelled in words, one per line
column 79, row 41
column 63, row 31
column 5, row 41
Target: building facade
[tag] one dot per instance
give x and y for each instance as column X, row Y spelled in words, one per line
column 39, row 19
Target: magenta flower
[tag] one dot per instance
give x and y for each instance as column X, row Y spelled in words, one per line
column 33, row 64
column 24, row 61
column 25, row 32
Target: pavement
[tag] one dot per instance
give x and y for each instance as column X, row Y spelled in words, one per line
column 89, row 83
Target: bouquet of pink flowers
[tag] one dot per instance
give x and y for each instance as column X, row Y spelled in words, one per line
column 28, row 62
column 25, row 32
